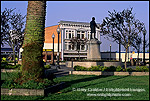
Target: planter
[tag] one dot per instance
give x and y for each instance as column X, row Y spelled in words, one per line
column 32, row 92
column 92, row 63
column 108, row 73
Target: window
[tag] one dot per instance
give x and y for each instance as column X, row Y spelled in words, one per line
column 72, row 47
column 65, row 46
column 82, row 36
column 82, row 47
column 72, row 35
column 78, row 36
column 69, row 35
column 48, row 57
column 69, row 47
column 78, row 46
column 66, row 35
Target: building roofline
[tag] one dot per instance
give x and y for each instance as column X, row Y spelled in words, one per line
column 74, row 22
column 52, row 25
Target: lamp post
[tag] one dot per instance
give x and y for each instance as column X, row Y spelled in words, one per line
column 110, row 51
column 128, row 53
column 144, row 47
column 119, row 51
column 53, row 36
column 58, row 31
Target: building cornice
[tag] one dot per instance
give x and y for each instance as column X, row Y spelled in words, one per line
column 75, row 24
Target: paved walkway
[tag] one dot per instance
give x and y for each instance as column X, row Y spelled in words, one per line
column 65, row 70
column 62, row 71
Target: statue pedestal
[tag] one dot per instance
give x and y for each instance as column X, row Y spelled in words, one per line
column 93, row 52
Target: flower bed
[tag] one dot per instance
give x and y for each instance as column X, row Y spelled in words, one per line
column 13, row 85
column 32, row 92
column 111, row 69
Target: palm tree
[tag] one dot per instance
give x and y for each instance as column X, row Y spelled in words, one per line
column 32, row 62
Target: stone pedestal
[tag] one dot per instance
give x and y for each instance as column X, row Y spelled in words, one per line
column 93, row 52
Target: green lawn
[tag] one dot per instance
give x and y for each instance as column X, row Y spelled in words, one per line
column 85, row 82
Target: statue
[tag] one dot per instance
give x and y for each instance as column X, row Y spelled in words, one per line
column 93, row 27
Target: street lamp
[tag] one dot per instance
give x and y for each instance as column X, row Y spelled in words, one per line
column 53, row 36
column 110, row 51
column 128, row 52
column 58, row 31
column 144, row 33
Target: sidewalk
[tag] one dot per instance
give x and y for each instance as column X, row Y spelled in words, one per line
column 62, row 71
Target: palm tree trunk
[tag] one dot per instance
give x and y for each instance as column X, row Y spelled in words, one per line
column 32, row 61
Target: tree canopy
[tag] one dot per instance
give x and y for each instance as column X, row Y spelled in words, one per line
column 12, row 29
column 122, row 27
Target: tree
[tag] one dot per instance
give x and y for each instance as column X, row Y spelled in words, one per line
column 12, row 29
column 145, row 44
column 122, row 27
column 136, row 44
column 76, row 42
column 32, row 62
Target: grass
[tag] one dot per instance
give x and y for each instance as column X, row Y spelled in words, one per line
column 91, row 81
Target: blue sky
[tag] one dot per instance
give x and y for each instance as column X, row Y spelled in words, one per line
column 83, row 11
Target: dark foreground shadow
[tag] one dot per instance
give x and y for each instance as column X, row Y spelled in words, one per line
column 69, row 83
column 66, row 84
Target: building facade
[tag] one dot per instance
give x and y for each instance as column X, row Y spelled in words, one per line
column 48, row 44
column 79, row 30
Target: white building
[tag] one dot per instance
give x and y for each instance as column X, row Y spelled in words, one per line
column 70, row 29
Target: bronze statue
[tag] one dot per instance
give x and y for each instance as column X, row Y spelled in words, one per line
column 93, row 27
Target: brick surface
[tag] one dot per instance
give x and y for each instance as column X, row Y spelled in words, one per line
column 49, row 32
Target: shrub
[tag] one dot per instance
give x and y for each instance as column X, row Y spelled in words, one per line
column 145, row 68
column 118, row 68
column 30, row 84
column 101, row 67
column 4, row 64
column 94, row 68
column 112, row 68
column 129, row 69
column 109, row 69
column 142, row 69
column 47, row 66
column 138, row 69
column 124, row 70
column 80, row 68
column 9, row 66
column 104, row 68
column 3, row 59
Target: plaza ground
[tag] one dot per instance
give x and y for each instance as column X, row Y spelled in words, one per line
column 75, row 86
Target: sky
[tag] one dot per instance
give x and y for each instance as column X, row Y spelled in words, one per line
column 83, row 11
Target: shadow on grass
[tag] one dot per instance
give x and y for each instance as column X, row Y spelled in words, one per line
column 69, row 83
